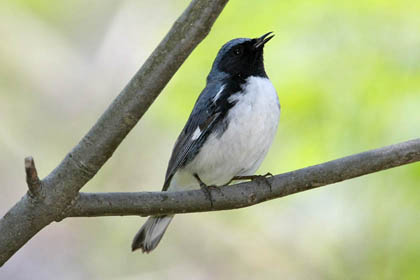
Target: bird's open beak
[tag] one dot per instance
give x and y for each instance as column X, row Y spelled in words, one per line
column 260, row 42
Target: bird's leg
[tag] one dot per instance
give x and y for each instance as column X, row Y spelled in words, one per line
column 256, row 178
column 206, row 189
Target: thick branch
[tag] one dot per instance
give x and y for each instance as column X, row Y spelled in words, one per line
column 250, row 193
column 60, row 188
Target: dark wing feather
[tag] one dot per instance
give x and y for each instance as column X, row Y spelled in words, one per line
column 205, row 115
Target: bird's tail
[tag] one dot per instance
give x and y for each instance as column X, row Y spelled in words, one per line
column 150, row 234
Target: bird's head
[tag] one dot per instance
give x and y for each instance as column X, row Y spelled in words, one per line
column 242, row 57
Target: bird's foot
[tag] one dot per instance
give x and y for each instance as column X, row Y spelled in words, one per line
column 207, row 189
column 257, row 178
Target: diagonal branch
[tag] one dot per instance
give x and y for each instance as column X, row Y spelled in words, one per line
column 250, row 193
column 60, row 188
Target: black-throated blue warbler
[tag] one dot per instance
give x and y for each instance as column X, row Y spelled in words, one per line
column 228, row 133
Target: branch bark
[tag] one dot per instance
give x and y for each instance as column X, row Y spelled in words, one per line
column 250, row 193
column 61, row 187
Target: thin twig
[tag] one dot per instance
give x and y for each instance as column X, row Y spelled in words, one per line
column 34, row 184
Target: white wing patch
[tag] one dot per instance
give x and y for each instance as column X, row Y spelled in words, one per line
column 196, row 134
column 218, row 94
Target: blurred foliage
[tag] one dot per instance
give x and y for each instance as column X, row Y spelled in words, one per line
column 348, row 78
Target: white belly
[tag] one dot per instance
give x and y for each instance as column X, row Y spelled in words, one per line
column 241, row 149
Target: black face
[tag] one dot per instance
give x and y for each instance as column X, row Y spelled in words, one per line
column 243, row 60
column 243, row 57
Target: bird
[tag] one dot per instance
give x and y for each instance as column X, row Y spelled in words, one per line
column 228, row 133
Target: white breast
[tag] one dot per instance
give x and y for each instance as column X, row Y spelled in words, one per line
column 242, row 147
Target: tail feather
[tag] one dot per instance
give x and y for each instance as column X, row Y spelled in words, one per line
column 150, row 234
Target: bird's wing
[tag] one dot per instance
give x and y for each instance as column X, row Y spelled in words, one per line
column 207, row 112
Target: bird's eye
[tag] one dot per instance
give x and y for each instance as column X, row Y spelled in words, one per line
column 237, row 51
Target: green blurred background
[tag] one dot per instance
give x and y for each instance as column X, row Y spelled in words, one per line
column 348, row 77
